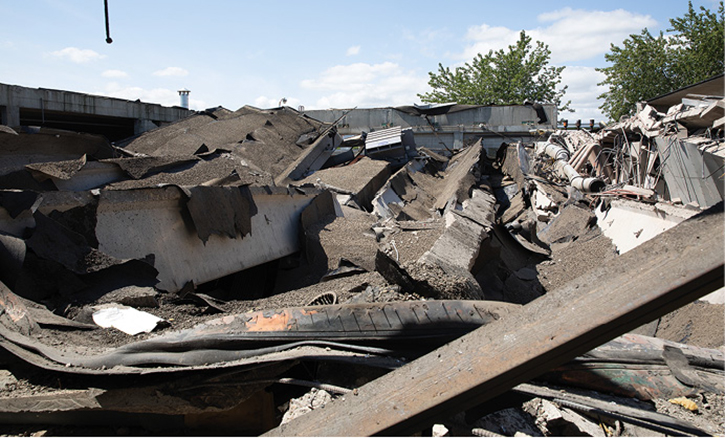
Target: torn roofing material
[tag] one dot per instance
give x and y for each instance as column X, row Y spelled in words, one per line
column 233, row 209
column 267, row 139
column 50, row 152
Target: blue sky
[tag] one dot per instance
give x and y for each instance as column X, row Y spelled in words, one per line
column 318, row 54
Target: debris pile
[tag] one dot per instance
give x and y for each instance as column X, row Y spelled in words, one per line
column 236, row 272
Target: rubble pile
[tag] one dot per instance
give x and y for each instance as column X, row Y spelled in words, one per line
column 233, row 271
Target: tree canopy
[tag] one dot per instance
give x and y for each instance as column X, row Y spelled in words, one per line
column 647, row 66
column 503, row 77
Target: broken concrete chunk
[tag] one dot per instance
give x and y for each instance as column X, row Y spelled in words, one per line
column 50, row 145
column 311, row 160
column 13, row 308
column 458, row 176
column 443, row 281
column 440, row 430
column 361, row 180
column 8, row 381
column 458, row 245
column 63, row 170
column 553, row 420
column 152, row 224
column 140, row 167
column 630, row 223
column 315, row 399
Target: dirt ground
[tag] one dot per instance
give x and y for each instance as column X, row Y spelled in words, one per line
column 699, row 323
column 710, row 415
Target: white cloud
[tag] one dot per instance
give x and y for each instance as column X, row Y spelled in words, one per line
column 583, row 91
column 486, row 38
column 79, row 56
column 576, row 34
column 366, row 85
column 161, row 96
column 354, row 50
column 270, row 102
column 172, row 71
column 114, row 74
column 571, row 34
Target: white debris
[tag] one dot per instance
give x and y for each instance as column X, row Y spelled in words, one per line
column 126, row 319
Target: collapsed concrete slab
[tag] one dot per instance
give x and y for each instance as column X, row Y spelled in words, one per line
column 39, row 148
column 354, row 184
column 153, row 225
column 312, row 159
column 630, row 223
column 425, row 187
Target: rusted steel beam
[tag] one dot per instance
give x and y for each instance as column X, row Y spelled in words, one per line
column 661, row 275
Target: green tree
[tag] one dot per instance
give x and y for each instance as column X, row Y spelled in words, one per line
column 501, row 78
column 647, row 66
column 639, row 70
column 697, row 45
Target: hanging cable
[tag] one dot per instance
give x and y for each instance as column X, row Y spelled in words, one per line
column 109, row 40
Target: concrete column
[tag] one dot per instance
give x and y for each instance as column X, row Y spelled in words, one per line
column 142, row 125
column 10, row 116
column 458, row 138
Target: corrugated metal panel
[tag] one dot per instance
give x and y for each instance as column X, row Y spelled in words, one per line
column 384, row 137
column 690, row 174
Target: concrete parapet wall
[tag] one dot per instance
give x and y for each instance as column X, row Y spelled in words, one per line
column 449, row 130
column 14, row 98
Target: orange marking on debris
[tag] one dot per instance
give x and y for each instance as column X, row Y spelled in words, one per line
column 275, row 323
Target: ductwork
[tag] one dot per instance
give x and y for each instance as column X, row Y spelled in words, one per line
column 564, row 169
column 556, row 152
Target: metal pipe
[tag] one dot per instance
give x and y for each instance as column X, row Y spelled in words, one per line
column 556, row 152
column 579, row 182
column 561, row 164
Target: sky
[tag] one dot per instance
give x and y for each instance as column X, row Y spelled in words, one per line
column 315, row 54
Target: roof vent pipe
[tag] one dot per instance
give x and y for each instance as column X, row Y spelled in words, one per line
column 184, row 95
